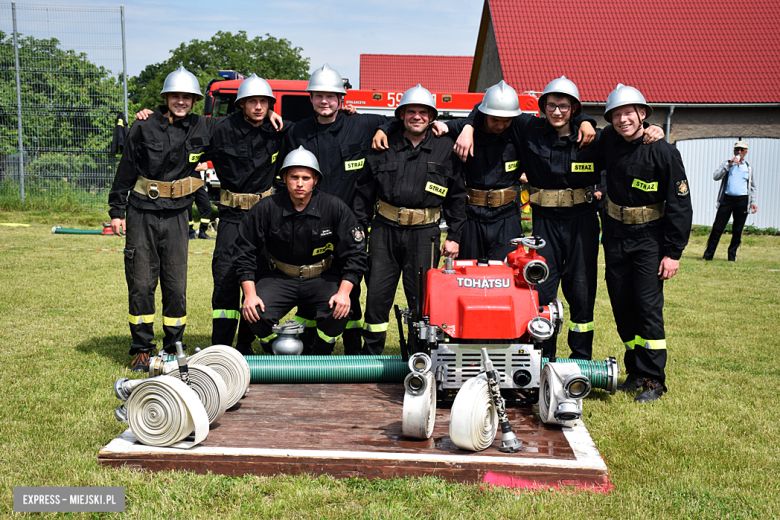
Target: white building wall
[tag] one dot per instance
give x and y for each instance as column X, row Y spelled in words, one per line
column 703, row 156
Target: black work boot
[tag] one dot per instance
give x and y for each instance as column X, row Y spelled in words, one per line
column 140, row 362
column 651, row 391
column 632, row 382
column 245, row 350
column 193, row 235
column 202, row 234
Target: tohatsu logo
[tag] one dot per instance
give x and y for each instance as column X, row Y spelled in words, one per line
column 484, row 283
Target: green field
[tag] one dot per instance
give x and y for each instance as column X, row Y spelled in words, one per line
column 710, row 448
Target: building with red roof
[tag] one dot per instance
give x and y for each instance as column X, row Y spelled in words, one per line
column 399, row 72
column 710, row 68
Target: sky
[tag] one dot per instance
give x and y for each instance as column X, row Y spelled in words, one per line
column 333, row 32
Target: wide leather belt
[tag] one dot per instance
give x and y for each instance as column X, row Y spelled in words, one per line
column 491, row 198
column 560, row 198
column 408, row 216
column 242, row 200
column 167, row 190
column 634, row 215
column 301, row 271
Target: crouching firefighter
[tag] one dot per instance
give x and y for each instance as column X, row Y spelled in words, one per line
column 316, row 255
column 154, row 185
column 244, row 150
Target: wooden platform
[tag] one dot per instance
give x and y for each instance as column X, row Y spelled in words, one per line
column 355, row 430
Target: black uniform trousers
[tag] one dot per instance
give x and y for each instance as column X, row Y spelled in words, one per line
column 571, row 253
column 204, row 208
column 489, row 239
column 394, row 250
column 353, row 335
column 156, row 248
column 637, row 300
column 730, row 205
column 280, row 293
column 226, row 297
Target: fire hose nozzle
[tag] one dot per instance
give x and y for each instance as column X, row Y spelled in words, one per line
column 181, row 357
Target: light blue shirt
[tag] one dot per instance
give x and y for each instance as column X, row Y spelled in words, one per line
column 737, row 185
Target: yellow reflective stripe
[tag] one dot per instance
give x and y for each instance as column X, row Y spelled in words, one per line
column 629, row 345
column 229, row 314
column 650, row 344
column 325, row 337
column 174, row 322
column 268, row 338
column 580, row 327
column 355, row 324
column 144, row 318
column 204, row 220
column 305, row 322
column 375, row 327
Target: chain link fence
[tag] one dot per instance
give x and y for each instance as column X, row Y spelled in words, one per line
column 68, row 63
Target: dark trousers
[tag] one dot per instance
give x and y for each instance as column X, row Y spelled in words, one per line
column 393, row 251
column 156, row 248
column 353, row 335
column 637, row 299
column 489, row 239
column 729, row 206
column 204, row 208
column 226, row 297
column 280, row 293
column 571, row 253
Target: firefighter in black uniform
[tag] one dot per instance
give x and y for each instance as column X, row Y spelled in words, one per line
column 340, row 142
column 646, row 227
column 316, row 254
column 412, row 181
column 158, row 171
column 244, row 150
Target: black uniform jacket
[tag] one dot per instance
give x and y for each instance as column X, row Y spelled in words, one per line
column 161, row 151
column 427, row 176
column 325, row 227
column 340, row 148
column 495, row 166
column 640, row 175
column 548, row 161
column 245, row 157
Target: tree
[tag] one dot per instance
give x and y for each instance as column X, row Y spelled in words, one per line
column 268, row 57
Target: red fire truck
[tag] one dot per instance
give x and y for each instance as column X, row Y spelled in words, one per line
column 293, row 104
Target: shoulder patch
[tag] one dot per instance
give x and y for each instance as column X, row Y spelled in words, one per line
column 682, row 188
column 357, row 234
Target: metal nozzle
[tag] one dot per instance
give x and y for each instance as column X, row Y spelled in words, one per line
column 510, row 443
column 486, row 360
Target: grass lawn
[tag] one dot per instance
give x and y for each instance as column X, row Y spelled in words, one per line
column 710, row 448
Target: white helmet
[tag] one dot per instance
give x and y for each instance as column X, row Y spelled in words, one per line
column 182, row 80
column 418, row 95
column 501, row 101
column 624, row 95
column 301, row 157
column 561, row 85
column 326, row 79
column 255, row 86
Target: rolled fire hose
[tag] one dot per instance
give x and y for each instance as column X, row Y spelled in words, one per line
column 163, row 411
column 327, row 369
column 419, row 413
column 211, row 390
column 473, row 418
column 228, row 363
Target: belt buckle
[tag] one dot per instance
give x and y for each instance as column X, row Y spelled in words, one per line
column 488, row 197
column 588, row 195
column 272, row 264
column 570, row 192
column 400, row 219
column 152, row 191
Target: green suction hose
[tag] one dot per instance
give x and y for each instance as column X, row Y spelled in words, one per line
column 381, row 369
column 327, row 369
column 72, row 231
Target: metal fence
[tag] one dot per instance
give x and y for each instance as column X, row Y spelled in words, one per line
column 62, row 86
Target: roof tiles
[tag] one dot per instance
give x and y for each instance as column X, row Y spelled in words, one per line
column 673, row 51
column 398, row 72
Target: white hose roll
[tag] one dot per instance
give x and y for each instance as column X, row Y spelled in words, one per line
column 473, row 418
column 211, row 389
column 231, row 365
column 419, row 414
column 164, row 411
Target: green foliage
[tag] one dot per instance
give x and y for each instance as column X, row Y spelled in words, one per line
column 68, row 102
column 268, row 57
